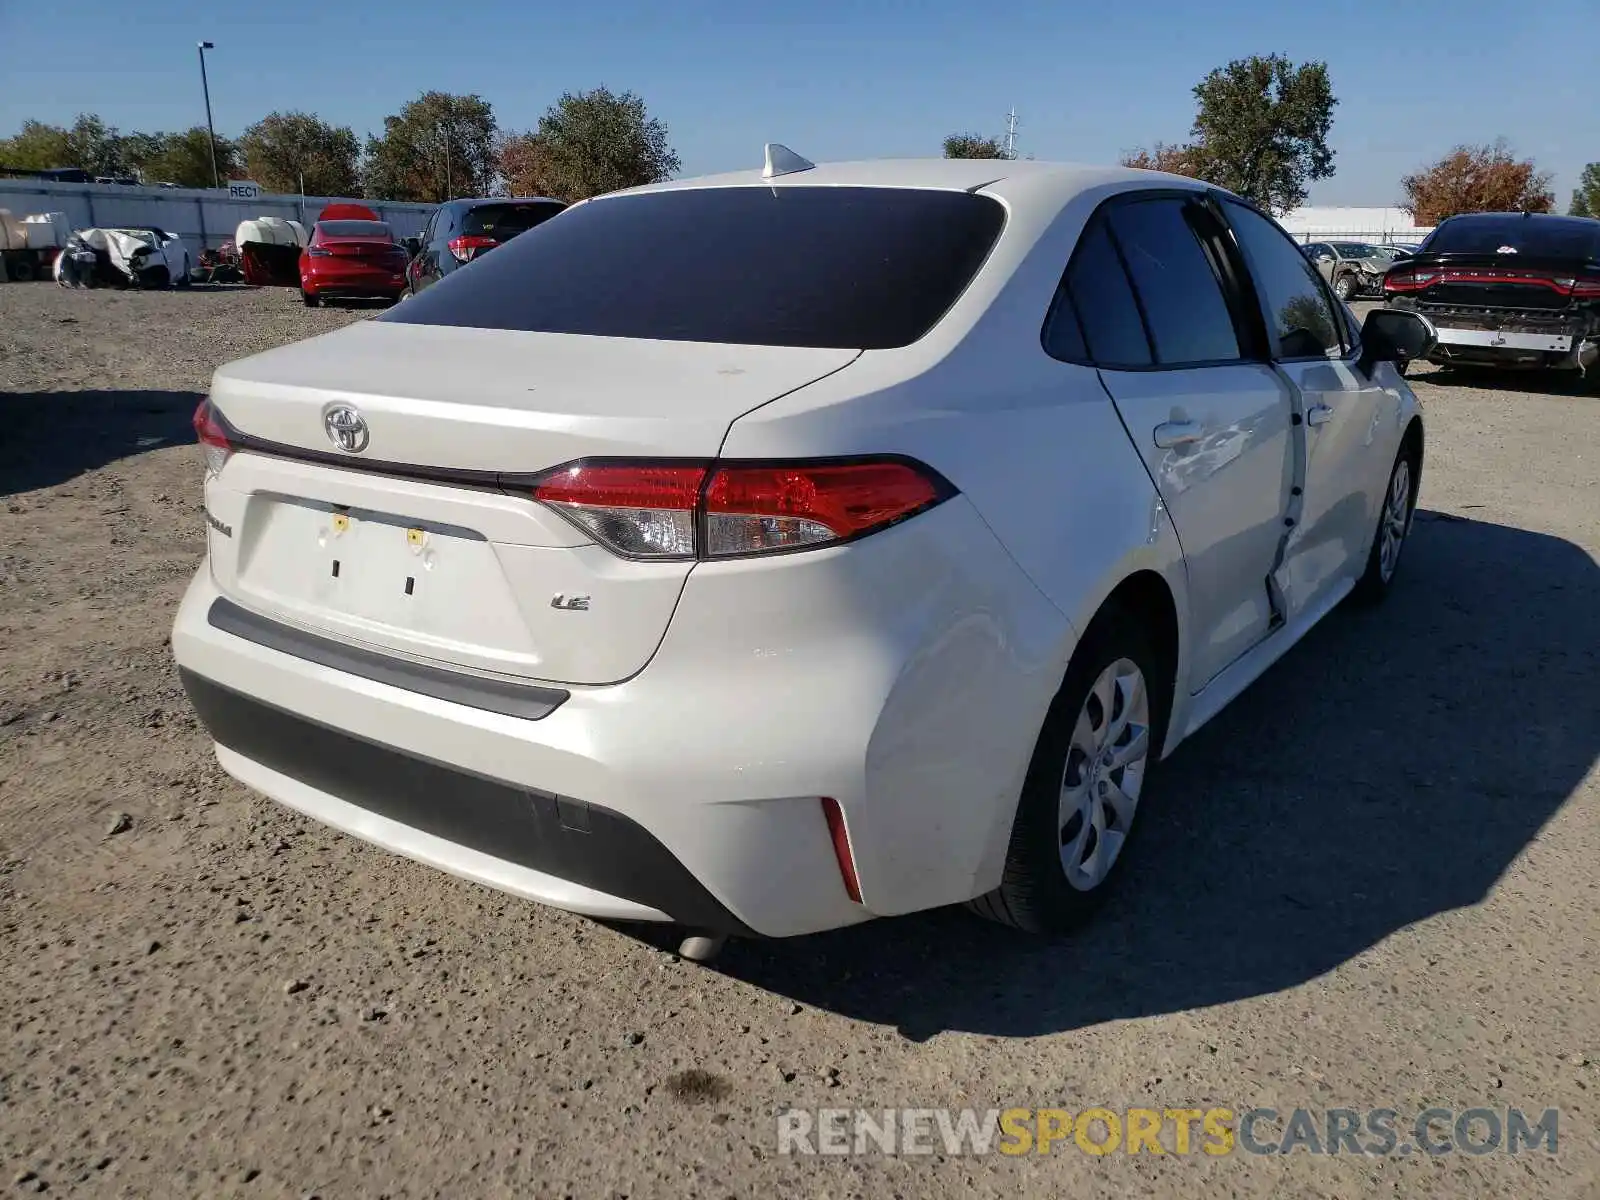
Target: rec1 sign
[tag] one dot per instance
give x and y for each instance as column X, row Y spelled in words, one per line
column 243, row 189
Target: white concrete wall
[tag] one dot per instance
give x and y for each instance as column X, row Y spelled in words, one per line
column 201, row 216
column 1320, row 222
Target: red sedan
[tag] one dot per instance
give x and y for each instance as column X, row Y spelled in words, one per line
column 352, row 259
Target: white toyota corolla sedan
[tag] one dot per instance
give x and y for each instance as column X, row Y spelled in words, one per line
column 768, row 552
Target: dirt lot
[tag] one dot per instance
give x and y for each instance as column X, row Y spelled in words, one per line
column 1370, row 883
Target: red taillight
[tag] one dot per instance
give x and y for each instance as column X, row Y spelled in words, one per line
column 213, row 436
column 465, row 247
column 750, row 510
column 640, row 510
column 681, row 511
column 834, row 815
column 1415, row 281
column 1408, row 281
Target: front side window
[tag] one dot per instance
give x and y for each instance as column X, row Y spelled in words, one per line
column 1298, row 311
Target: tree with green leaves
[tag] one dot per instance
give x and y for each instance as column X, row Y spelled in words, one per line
column 587, row 144
column 89, row 144
column 438, row 147
column 974, row 145
column 1586, row 196
column 180, row 158
column 36, row 147
column 1260, row 130
column 291, row 151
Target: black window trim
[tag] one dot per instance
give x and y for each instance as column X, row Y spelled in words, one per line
column 1349, row 341
column 1241, row 305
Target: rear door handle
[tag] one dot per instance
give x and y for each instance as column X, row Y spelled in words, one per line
column 1319, row 414
column 1172, row 434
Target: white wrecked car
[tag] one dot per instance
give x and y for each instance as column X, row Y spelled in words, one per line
column 137, row 256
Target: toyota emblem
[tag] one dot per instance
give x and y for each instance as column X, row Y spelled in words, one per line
column 347, row 428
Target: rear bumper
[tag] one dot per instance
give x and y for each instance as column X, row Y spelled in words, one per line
column 905, row 678
column 1510, row 337
column 458, row 820
column 353, row 281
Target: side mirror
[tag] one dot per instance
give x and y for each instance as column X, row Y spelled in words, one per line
column 1324, row 258
column 413, row 245
column 1395, row 335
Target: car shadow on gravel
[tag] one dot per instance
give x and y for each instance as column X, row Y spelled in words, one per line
column 51, row 437
column 1389, row 768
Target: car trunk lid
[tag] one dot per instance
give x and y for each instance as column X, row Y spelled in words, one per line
column 1499, row 281
column 426, row 542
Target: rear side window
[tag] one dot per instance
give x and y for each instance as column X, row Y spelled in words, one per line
column 838, row 267
column 1183, row 303
column 503, row 221
column 1097, row 287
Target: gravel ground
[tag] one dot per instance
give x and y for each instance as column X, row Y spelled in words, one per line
column 1370, row 883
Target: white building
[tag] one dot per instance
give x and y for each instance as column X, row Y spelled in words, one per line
column 1319, row 223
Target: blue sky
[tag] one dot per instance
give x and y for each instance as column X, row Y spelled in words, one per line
column 834, row 79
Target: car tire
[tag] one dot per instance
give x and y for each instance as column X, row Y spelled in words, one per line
column 1065, row 814
column 1394, row 527
column 1345, row 288
column 310, row 300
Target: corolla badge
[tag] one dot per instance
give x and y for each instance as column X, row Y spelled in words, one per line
column 346, row 428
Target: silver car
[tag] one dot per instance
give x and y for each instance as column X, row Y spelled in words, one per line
column 1351, row 268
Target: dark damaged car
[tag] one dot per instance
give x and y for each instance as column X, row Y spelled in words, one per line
column 1507, row 290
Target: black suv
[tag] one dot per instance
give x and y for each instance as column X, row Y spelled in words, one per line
column 460, row 230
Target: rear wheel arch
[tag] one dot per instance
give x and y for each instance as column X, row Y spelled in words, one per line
column 1145, row 598
column 1137, row 621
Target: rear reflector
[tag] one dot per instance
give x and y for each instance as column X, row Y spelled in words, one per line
column 678, row 511
column 215, row 447
column 834, row 815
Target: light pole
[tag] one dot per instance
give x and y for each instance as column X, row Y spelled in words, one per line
column 449, row 190
column 210, row 128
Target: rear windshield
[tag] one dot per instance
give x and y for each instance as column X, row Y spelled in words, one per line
column 503, row 221
column 837, row 267
column 1537, row 237
column 370, row 229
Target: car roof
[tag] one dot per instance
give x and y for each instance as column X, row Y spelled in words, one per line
column 466, row 205
column 1005, row 178
column 1546, row 218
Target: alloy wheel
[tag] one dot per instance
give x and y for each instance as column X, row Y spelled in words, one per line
column 1396, row 520
column 1104, row 774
